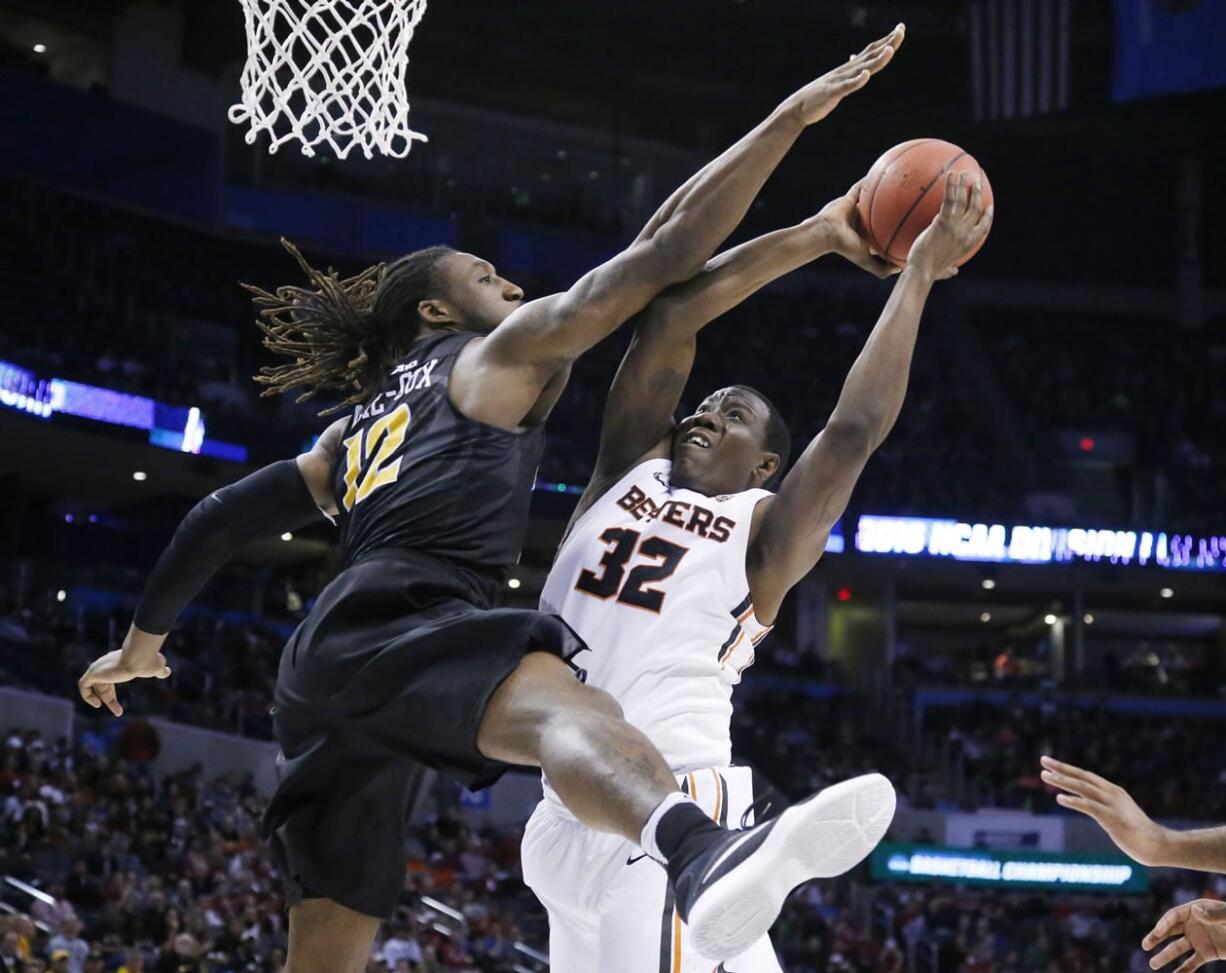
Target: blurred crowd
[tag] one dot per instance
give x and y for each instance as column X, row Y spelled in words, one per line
column 224, row 669
column 1142, row 666
column 1172, row 767
column 171, row 876
column 982, row 931
column 794, row 720
column 132, row 874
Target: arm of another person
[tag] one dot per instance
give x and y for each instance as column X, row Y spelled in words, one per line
column 790, row 530
column 1136, row 834
column 283, row 496
column 499, row 378
column 639, row 414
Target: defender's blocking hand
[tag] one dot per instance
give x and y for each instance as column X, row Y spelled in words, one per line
column 1136, row 834
column 819, row 98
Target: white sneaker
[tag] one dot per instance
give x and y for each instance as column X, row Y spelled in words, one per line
column 731, row 895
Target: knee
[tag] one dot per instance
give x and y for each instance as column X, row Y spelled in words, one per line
column 589, row 716
column 603, row 702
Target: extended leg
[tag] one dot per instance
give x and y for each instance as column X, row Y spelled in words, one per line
column 607, row 773
column 325, row 937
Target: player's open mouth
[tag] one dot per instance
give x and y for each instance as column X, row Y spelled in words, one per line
column 696, row 438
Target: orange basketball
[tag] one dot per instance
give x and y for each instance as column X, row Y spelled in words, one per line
column 903, row 191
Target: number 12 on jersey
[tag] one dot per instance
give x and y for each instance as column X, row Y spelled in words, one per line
column 364, row 474
column 622, row 546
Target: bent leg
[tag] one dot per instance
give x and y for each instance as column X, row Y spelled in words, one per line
column 325, row 937
column 607, row 772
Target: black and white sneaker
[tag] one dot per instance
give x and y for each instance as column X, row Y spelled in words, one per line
column 731, row 894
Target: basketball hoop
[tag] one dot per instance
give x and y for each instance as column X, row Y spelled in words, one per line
column 329, row 71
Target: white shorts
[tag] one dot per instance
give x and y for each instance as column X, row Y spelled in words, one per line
column 610, row 908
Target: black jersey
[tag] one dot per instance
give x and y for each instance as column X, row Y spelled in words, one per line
column 415, row 474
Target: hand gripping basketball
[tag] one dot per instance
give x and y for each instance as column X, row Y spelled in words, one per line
column 840, row 222
column 961, row 224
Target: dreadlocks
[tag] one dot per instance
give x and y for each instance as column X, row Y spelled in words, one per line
column 343, row 334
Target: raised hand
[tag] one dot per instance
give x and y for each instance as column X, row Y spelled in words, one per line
column 959, row 226
column 839, row 221
column 1201, row 928
column 1136, row 834
column 819, row 98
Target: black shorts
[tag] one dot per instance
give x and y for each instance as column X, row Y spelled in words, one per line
column 392, row 669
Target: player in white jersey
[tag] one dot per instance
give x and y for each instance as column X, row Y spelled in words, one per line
column 677, row 560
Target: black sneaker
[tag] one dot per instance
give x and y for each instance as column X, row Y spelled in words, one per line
column 731, row 894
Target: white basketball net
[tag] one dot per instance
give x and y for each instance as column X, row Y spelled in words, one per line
column 330, row 71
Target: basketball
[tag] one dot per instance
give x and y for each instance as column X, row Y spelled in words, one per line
column 903, row 190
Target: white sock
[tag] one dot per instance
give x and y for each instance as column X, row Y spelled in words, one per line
column 647, row 840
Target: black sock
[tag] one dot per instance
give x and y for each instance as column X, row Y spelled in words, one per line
column 684, row 833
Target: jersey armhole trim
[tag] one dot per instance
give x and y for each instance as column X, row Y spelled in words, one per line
column 633, row 472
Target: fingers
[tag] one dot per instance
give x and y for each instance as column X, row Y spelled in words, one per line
column 949, row 202
column 86, row 692
column 1074, row 785
column 1082, row 804
column 985, row 221
column 1169, row 925
column 847, row 85
column 105, row 693
column 877, row 61
column 893, row 38
column 1193, row 962
column 872, row 61
column 1068, row 771
column 976, row 202
column 164, row 672
column 881, row 269
column 1170, row 954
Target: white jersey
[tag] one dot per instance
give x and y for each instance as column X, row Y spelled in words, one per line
column 652, row 577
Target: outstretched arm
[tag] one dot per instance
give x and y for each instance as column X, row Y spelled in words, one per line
column 790, row 529
column 1197, row 927
column 284, row 496
column 498, row 379
column 638, row 416
column 1136, row 834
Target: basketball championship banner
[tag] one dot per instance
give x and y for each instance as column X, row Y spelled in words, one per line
column 1041, row 871
column 1019, row 52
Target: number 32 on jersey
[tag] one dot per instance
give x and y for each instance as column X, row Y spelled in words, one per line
column 367, row 453
column 623, row 544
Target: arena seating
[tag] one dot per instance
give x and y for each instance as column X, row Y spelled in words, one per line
column 171, row 876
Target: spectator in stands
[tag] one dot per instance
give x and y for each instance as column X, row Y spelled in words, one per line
column 134, row 962
column 400, row 947
column 69, row 942
column 10, row 953
column 1005, row 667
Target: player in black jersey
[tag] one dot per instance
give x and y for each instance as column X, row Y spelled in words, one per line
column 403, row 660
